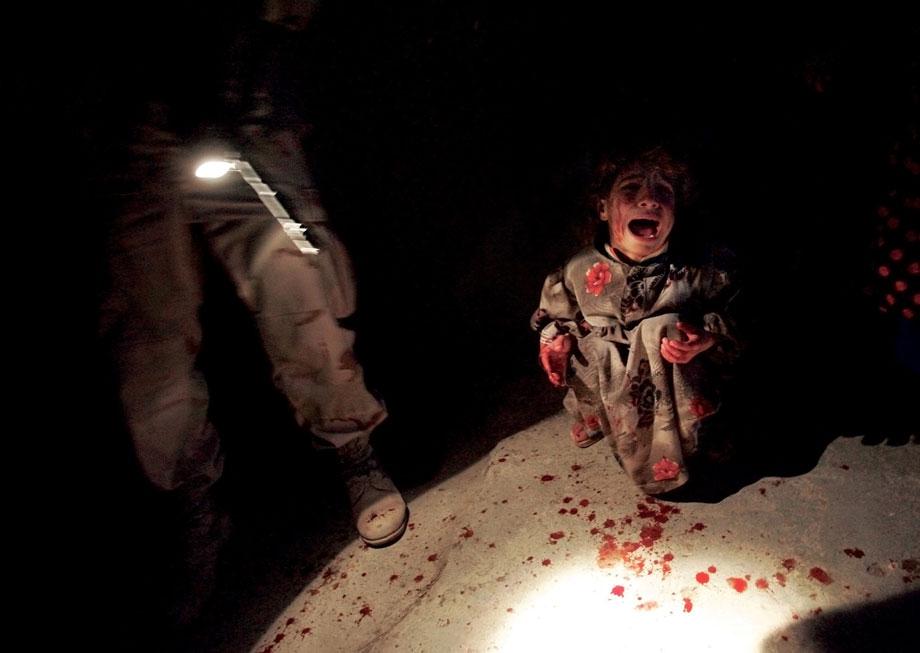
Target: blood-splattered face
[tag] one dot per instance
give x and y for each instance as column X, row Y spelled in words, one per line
column 639, row 211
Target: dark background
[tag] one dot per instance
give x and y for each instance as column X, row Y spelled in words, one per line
column 453, row 143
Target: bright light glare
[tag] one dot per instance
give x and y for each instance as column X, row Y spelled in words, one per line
column 213, row 169
column 578, row 612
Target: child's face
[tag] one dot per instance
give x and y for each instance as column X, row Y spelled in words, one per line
column 639, row 212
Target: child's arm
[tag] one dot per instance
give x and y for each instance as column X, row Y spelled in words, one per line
column 556, row 321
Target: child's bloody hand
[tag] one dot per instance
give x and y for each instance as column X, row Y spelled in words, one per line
column 696, row 341
column 554, row 358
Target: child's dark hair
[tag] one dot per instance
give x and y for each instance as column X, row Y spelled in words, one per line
column 658, row 158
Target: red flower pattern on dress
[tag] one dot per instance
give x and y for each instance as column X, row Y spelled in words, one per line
column 597, row 276
column 665, row 469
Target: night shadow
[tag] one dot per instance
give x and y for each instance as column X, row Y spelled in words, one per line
column 888, row 625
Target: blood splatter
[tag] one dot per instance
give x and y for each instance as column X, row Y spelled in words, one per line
column 567, row 500
column 563, row 511
column 573, row 511
column 432, row 557
column 820, row 575
column 789, row 564
column 584, row 503
column 547, row 562
column 702, row 578
column 575, row 468
column 419, row 578
column 278, row 637
column 854, row 553
column 762, row 490
column 780, row 578
column 611, row 553
column 306, row 631
column 366, row 611
column 737, row 584
column 289, row 622
column 617, row 590
column 650, row 534
column 762, row 584
column 467, row 532
column 501, row 460
column 394, row 577
column 609, row 523
column 595, row 531
column 592, row 517
column 668, row 557
column 547, row 477
column 688, row 605
column 845, row 467
column 557, row 535
column 698, row 526
column 648, row 605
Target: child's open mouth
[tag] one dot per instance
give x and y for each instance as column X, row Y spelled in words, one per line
column 644, row 228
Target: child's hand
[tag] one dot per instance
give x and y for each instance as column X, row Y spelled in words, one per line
column 697, row 341
column 554, row 358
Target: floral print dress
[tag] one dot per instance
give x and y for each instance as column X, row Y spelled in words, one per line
column 650, row 410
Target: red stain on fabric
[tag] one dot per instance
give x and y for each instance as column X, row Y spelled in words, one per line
column 762, row 583
column 547, row 562
column 467, row 532
column 688, row 605
column 854, row 553
column 584, row 503
column 698, row 526
column 575, row 468
column 711, row 569
column 547, row 477
column 702, row 578
column 394, row 577
column 419, row 578
column 762, row 490
column 609, row 523
column 557, row 535
column 592, row 517
column 668, row 557
column 563, row 511
column 618, row 590
column 366, row 611
column 789, row 564
column 289, row 622
column 737, row 584
column 820, row 575
column 567, row 500
column 432, row 557
column 845, row 467
column 306, row 631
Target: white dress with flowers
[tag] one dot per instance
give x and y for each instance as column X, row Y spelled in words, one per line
column 619, row 384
